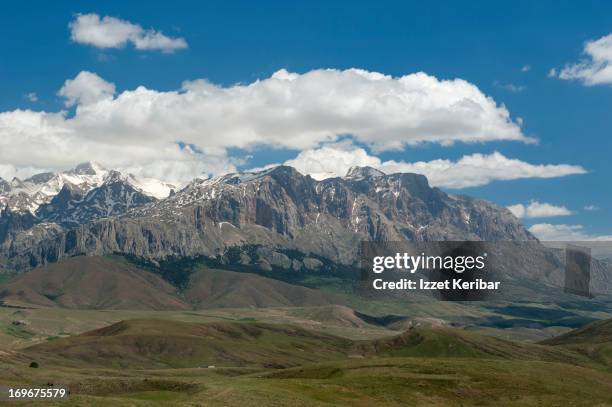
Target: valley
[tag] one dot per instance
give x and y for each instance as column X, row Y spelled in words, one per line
column 224, row 337
column 166, row 362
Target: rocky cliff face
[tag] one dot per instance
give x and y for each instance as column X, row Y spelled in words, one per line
column 276, row 208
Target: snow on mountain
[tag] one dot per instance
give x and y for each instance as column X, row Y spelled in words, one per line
column 114, row 197
column 150, row 186
column 360, row 173
column 29, row 194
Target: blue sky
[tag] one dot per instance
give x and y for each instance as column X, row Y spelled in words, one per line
column 239, row 42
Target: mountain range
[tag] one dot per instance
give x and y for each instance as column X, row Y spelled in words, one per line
column 29, row 194
column 71, row 198
column 94, row 210
column 273, row 219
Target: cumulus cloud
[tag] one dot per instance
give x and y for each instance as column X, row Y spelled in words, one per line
column 535, row 209
column 595, row 68
column 591, row 208
column 562, row 232
column 287, row 110
column 526, row 68
column 332, row 160
column 34, row 141
column 300, row 111
column 469, row 171
column 112, row 32
column 85, row 89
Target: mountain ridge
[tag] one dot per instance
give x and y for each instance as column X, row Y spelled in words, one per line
column 63, row 200
column 276, row 211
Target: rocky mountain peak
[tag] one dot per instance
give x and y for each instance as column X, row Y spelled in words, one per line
column 359, row 173
column 283, row 171
column 277, row 172
column 72, row 207
column 114, row 176
column 89, row 168
column 40, row 189
column 40, row 178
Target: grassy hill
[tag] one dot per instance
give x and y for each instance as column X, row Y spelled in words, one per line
column 593, row 333
column 593, row 340
column 387, row 382
column 338, row 315
column 212, row 288
column 279, row 365
column 451, row 342
column 154, row 343
column 418, row 381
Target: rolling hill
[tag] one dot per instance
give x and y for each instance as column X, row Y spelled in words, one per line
column 417, row 381
column 153, row 343
column 91, row 283
column 443, row 342
column 163, row 362
column 111, row 282
column 219, row 289
column 157, row 343
column 593, row 340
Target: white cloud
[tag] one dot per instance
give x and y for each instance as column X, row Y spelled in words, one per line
column 469, row 171
column 591, row 208
column 288, row 110
column 31, row 142
column 526, row 68
column 518, row 210
column 111, row 32
column 510, row 87
column 332, row 160
column 535, row 209
column 595, row 68
column 8, row 171
column 32, row 97
column 85, row 89
column 562, row 232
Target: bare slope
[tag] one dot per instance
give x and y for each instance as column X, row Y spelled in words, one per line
column 92, row 283
column 219, row 289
